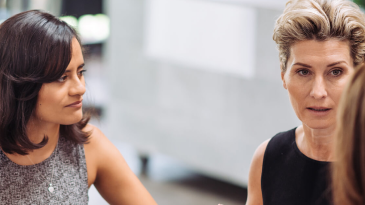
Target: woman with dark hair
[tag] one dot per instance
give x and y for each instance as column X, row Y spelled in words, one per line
column 49, row 153
column 348, row 178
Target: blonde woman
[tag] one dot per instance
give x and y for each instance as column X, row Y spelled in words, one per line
column 349, row 167
column 320, row 42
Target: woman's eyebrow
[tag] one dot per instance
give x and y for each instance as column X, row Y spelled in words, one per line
column 80, row 66
column 338, row 62
column 302, row 64
column 308, row 66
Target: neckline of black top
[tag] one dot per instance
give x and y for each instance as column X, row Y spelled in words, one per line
column 303, row 156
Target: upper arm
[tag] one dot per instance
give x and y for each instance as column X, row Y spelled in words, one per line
column 254, row 196
column 114, row 180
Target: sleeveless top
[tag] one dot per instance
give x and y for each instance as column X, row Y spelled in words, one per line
column 289, row 177
column 29, row 184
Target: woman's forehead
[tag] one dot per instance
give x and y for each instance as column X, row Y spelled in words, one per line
column 320, row 52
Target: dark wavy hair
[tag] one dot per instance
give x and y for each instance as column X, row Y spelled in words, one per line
column 35, row 48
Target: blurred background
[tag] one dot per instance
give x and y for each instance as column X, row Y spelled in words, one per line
column 186, row 89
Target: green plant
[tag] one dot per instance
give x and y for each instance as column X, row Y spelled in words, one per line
column 361, row 3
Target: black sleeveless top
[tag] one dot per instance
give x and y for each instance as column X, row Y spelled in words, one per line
column 291, row 178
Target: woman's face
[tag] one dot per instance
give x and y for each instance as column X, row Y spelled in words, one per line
column 316, row 74
column 60, row 102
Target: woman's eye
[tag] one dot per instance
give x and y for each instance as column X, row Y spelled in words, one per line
column 62, row 79
column 303, row 72
column 81, row 73
column 336, row 72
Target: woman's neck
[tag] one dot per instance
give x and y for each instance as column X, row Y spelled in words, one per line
column 36, row 131
column 316, row 143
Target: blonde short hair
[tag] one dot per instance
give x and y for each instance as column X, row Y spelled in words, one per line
column 320, row 20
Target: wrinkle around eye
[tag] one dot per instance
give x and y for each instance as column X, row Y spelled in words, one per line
column 300, row 72
column 339, row 70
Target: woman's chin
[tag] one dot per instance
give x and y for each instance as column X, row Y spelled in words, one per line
column 71, row 120
column 319, row 124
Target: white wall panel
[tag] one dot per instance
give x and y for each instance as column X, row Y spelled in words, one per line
column 211, row 121
column 202, row 34
column 267, row 4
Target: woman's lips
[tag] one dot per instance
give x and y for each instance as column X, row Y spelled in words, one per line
column 76, row 104
column 319, row 110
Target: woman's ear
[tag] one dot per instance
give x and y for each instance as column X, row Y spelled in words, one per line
column 283, row 75
column 283, row 79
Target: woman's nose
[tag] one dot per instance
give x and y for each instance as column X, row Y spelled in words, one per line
column 77, row 87
column 319, row 90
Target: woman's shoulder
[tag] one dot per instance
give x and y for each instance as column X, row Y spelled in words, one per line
column 280, row 139
column 286, row 134
column 254, row 178
column 258, row 156
column 98, row 150
column 95, row 132
column 97, row 140
column 255, row 174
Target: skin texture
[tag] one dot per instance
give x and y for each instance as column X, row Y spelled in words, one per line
column 316, row 76
column 106, row 167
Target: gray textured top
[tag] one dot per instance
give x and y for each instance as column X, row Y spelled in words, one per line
column 29, row 184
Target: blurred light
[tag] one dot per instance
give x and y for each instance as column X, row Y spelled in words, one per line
column 87, row 27
column 94, row 28
column 70, row 20
column 103, row 31
column 202, row 34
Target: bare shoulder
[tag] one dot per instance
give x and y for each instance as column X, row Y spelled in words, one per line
column 97, row 148
column 96, row 136
column 260, row 152
column 256, row 164
column 254, row 179
column 110, row 173
column 98, row 145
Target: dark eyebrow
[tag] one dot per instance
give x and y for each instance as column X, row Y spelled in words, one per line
column 333, row 64
column 80, row 66
column 308, row 66
column 302, row 64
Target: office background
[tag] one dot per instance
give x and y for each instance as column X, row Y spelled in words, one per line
column 186, row 89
